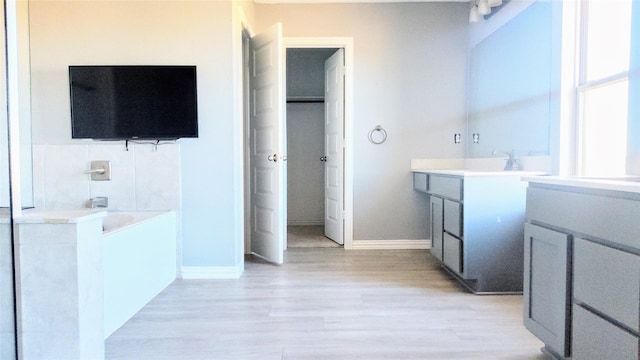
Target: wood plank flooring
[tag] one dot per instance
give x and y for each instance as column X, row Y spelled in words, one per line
column 328, row 303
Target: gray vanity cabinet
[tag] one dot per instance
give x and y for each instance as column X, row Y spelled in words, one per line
column 477, row 223
column 582, row 271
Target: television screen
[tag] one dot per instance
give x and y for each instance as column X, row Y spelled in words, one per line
column 133, row 102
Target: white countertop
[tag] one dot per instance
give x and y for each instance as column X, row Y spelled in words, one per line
column 70, row 216
column 626, row 184
column 467, row 172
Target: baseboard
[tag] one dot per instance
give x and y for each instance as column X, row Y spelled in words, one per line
column 212, row 272
column 305, row 222
column 400, row 244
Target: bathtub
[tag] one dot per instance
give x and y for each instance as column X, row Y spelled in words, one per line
column 139, row 261
column 117, row 220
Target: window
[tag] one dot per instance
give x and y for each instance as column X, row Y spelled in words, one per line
column 603, row 87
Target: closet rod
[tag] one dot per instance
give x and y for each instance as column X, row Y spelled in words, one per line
column 304, row 101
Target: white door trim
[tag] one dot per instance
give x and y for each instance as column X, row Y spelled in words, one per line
column 347, row 44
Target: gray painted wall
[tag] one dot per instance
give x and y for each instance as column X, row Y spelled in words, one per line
column 305, row 72
column 305, row 171
column 409, row 77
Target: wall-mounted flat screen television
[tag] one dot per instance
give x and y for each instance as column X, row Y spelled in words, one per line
column 133, row 102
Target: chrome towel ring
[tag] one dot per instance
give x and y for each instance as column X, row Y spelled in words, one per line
column 377, row 135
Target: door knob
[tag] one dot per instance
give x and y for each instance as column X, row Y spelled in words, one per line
column 323, row 158
column 273, row 158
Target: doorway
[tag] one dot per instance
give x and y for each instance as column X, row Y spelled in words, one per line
column 306, row 142
column 346, row 209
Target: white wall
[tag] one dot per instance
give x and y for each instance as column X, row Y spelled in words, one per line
column 633, row 154
column 158, row 32
column 409, row 77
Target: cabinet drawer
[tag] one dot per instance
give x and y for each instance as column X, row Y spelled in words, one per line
column 595, row 338
column 452, row 253
column 603, row 217
column 445, row 186
column 607, row 280
column 453, row 217
column 420, row 182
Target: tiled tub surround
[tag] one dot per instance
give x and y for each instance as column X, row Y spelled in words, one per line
column 144, row 177
column 59, row 300
column 79, row 284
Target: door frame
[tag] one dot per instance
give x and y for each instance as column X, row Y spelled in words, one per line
column 345, row 43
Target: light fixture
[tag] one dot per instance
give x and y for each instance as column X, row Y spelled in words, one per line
column 474, row 15
column 494, row 3
column 483, row 7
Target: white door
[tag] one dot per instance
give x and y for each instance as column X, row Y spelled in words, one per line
column 334, row 147
column 266, row 145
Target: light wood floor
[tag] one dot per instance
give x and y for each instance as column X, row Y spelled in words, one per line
column 328, row 304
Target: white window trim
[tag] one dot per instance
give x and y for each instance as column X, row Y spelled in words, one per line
column 574, row 77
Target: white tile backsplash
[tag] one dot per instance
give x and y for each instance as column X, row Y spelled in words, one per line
column 157, row 177
column 145, row 177
column 38, row 152
column 65, row 183
column 121, row 189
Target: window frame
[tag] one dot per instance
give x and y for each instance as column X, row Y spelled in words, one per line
column 583, row 86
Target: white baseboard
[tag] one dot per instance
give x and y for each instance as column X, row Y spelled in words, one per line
column 305, row 222
column 400, row 244
column 212, row 272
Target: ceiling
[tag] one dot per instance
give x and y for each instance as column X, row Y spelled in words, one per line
column 347, row 1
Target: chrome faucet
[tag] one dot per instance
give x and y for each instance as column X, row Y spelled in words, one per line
column 512, row 163
column 100, row 201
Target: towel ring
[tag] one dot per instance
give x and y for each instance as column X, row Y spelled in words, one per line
column 378, row 140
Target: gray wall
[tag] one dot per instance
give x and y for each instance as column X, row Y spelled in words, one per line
column 409, row 77
column 305, row 171
column 305, row 72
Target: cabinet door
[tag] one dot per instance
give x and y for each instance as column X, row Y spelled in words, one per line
column 437, row 214
column 546, row 287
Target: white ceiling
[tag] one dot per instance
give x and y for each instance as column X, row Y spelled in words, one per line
column 347, row 1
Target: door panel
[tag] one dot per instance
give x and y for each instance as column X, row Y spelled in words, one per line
column 267, row 124
column 334, row 150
